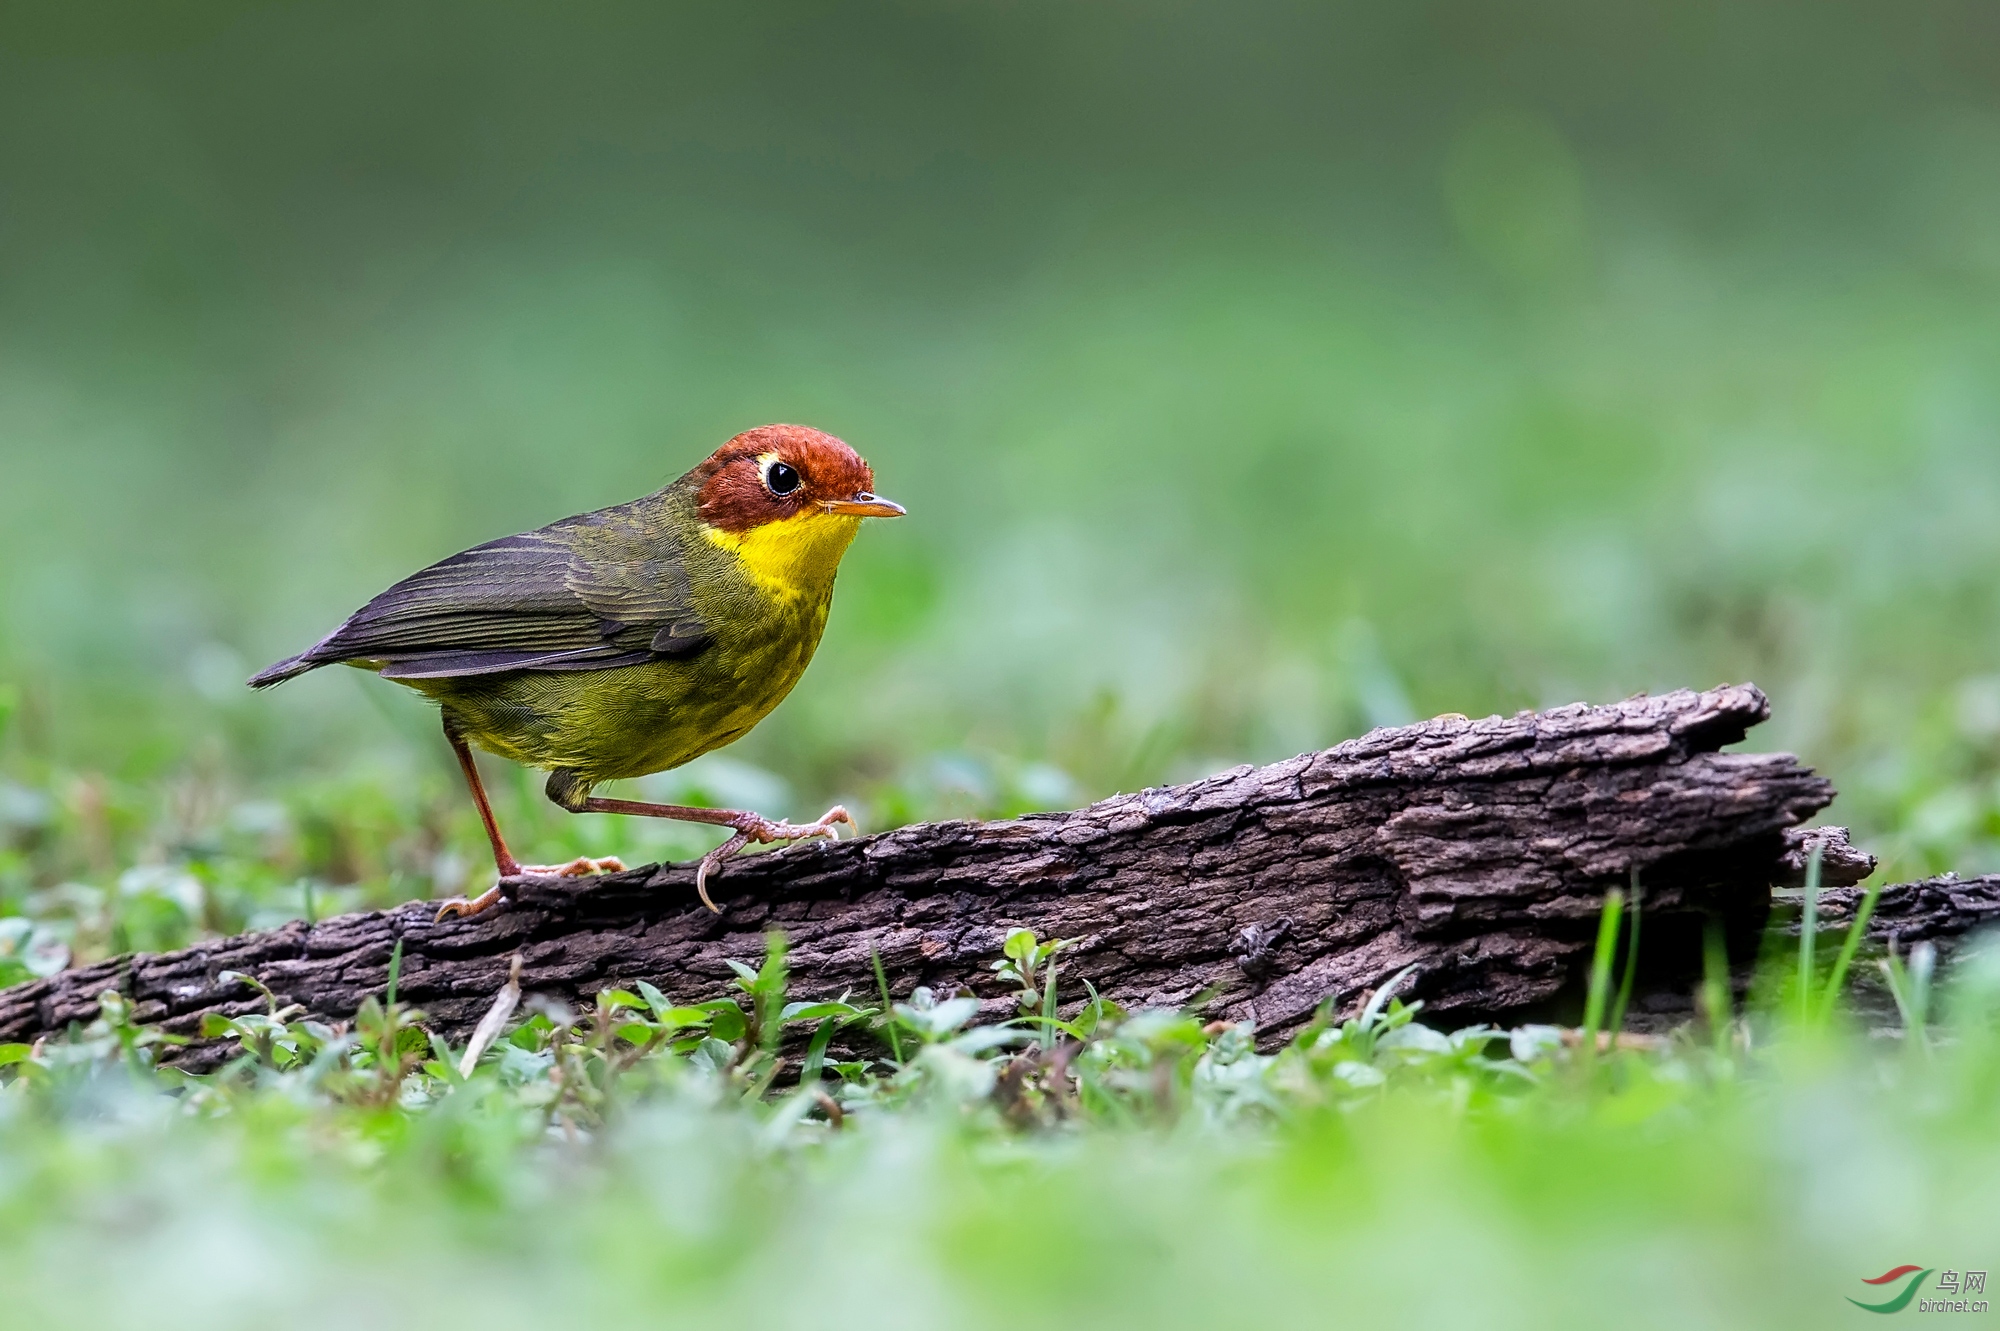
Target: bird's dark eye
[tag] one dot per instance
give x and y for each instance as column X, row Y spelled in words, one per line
column 781, row 478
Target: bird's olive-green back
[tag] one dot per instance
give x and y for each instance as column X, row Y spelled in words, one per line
column 650, row 563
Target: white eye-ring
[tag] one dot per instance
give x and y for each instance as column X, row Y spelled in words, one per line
column 780, row 477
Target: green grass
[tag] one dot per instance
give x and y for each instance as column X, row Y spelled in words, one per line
column 645, row 1162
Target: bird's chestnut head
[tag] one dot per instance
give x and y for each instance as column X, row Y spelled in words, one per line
column 779, row 472
column 786, row 501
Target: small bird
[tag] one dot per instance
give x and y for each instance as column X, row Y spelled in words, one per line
column 629, row 640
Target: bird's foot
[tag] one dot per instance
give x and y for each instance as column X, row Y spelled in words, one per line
column 764, row 831
column 463, row 908
column 580, row 867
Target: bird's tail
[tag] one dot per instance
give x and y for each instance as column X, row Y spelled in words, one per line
column 288, row 668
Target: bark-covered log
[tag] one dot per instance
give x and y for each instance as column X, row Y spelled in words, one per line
column 1936, row 910
column 1480, row 851
column 1943, row 912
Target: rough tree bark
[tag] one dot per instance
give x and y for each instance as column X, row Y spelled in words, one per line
column 1936, row 910
column 1480, row 851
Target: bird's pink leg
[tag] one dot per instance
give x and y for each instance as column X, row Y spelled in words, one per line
column 746, row 826
column 504, row 863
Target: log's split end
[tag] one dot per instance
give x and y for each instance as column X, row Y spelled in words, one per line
column 1474, row 852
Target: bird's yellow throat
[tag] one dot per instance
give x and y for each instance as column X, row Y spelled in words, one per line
column 793, row 557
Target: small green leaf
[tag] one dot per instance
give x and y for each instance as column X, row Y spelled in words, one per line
column 816, row 1052
column 726, row 1020
column 657, row 1001
column 981, row 1038
column 816, row 1011
column 953, row 1013
column 441, row 1052
column 714, row 1054
column 772, row 975
column 1070, row 1029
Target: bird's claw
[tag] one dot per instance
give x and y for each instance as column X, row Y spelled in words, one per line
column 462, row 908
column 764, row 831
column 580, row 867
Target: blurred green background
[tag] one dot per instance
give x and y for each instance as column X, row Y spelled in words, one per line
column 1254, row 374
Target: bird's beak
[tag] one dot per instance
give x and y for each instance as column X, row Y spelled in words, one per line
column 865, row 505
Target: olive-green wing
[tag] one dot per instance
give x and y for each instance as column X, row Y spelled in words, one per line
column 588, row 593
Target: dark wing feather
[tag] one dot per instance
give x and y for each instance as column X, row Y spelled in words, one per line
column 587, row 593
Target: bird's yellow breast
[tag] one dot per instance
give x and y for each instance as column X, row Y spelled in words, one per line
column 794, row 557
column 763, row 594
